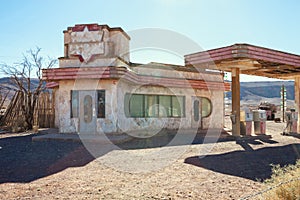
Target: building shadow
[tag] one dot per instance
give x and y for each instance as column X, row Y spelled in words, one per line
column 252, row 164
column 258, row 140
column 174, row 138
column 23, row 161
column 295, row 135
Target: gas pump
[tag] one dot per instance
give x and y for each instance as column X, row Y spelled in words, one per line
column 294, row 119
column 291, row 122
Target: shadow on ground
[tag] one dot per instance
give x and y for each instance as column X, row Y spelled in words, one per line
column 22, row 160
column 174, row 138
column 255, row 165
column 295, row 135
column 259, row 140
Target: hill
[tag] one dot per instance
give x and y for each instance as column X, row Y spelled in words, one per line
column 251, row 92
column 8, row 86
column 257, row 91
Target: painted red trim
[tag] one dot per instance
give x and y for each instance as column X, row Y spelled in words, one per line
column 81, row 27
column 51, row 85
column 95, row 27
column 239, row 51
column 122, row 73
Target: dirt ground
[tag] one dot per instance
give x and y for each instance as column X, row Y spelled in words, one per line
column 205, row 169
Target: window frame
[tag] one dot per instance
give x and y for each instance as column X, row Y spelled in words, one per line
column 77, row 92
column 170, row 114
column 146, row 108
column 71, row 103
column 211, row 107
column 97, row 104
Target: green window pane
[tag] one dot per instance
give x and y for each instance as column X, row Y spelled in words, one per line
column 126, row 104
column 165, row 108
column 136, row 105
column 143, row 105
column 206, row 107
column 178, row 106
column 151, row 106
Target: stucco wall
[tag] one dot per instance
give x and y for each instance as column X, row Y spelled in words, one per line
column 129, row 123
column 101, row 47
column 67, row 124
column 215, row 120
column 157, row 69
column 121, row 45
column 95, row 45
column 115, row 119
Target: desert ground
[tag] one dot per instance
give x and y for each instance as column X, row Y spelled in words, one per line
column 205, row 169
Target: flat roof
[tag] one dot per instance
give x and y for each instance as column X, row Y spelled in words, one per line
column 166, row 66
column 251, row 59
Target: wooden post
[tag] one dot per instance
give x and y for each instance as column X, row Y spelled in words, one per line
column 297, row 99
column 235, row 88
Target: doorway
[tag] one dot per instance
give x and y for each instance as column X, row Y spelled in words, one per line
column 87, row 112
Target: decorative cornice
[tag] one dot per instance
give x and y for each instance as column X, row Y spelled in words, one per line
column 55, row 75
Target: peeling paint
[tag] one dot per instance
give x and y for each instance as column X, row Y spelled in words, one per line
column 112, row 50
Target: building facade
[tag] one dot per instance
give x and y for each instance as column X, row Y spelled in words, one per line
column 98, row 90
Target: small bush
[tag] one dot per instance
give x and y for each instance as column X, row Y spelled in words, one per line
column 285, row 183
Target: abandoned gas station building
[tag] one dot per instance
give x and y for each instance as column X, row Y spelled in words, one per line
column 251, row 60
column 98, row 89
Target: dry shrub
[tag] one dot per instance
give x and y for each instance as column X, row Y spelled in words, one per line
column 284, row 183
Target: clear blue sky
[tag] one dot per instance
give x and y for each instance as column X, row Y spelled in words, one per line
column 211, row 23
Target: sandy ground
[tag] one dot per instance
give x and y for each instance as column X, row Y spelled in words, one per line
column 70, row 170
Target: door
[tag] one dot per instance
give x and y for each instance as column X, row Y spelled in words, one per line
column 87, row 112
column 196, row 112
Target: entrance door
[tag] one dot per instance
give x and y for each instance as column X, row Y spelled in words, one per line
column 196, row 112
column 87, row 112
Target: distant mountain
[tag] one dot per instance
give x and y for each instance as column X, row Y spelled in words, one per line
column 8, row 86
column 251, row 92
column 7, row 83
column 270, row 89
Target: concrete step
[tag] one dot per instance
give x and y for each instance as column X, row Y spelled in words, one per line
column 74, row 137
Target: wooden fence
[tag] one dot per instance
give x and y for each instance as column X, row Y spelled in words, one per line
column 44, row 115
column 45, row 111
